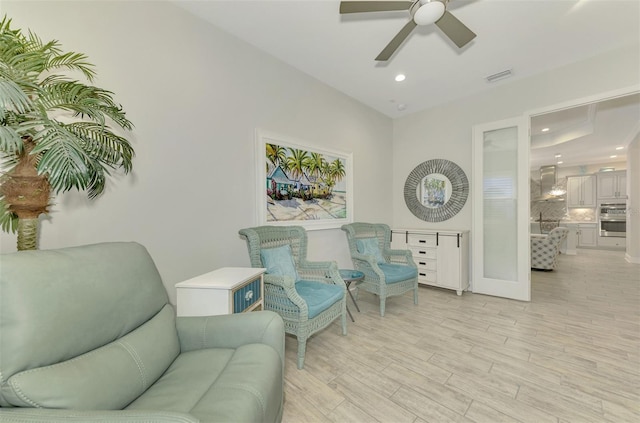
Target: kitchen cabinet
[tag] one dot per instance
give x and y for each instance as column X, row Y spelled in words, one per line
column 442, row 257
column 612, row 243
column 581, row 191
column 570, row 243
column 587, row 235
column 612, row 185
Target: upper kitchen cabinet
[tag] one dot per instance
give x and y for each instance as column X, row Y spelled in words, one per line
column 612, row 184
column 581, row 191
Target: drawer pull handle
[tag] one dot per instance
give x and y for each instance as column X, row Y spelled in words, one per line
column 422, row 263
column 422, row 274
column 422, row 252
column 422, row 241
column 248, row 296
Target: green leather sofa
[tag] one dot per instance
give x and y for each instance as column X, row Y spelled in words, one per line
column 87, row 334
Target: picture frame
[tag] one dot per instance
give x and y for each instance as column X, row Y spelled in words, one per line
column 299, row 183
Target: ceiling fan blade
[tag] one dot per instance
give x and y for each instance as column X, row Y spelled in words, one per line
column 393, row 45
column 455, row 30
column 373, row 6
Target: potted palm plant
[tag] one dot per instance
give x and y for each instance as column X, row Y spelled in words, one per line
column 55, row 131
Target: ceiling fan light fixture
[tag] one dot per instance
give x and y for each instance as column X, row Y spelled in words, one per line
column 429, row 12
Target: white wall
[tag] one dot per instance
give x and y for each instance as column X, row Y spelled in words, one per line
column 196, row 96
column 444, row 132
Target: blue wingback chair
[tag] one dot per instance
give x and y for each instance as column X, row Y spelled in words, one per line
column 308, row 296
column 386, row 272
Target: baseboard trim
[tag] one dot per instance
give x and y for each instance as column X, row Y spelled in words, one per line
column 634, row 260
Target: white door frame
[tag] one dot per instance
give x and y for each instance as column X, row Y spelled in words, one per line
column 519, row 289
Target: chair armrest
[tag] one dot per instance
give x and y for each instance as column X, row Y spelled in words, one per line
column 541, row 242
column 399, row 256
column 320, row 271
column 231, row 331
column 288, row 285
column 39, row 415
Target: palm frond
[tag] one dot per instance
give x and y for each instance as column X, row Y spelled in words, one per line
column 72, row 61
column 64, row 163
column 8, row 220
column 12, row 97
column 10, row 141
column 103, row 145
column 83, row 100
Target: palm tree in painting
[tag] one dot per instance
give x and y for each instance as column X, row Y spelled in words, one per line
column 315, row 164
column 297, row 162
column 277, row 156
column 337, row 171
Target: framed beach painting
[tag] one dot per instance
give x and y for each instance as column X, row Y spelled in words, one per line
column 302, row 184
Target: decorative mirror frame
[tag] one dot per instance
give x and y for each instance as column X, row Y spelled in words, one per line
column 459, row 190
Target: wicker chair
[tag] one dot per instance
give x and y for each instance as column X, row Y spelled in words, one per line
column 545, row 248
column 301, row 300
column 387, row 272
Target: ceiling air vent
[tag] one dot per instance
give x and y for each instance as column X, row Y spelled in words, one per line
column 500, row 75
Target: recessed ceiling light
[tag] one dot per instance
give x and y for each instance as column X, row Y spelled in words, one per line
column 557, row 156
column 544, row 130
column 560, row 162
column 402, row 107
column 619, row 148
column 400, row 77
column 613, row 157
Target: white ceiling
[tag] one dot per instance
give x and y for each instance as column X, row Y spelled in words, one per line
column 588, row 134
column 527, row 36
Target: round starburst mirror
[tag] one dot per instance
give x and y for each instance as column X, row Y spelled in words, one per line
column 436, row 190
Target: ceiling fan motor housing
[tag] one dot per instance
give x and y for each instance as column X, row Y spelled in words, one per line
column 426, row 12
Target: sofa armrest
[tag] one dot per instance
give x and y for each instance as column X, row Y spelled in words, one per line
column 41, row 415
column 231, row 331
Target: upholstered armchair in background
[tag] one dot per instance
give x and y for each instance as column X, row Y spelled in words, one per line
column 545, row 248
column 308, row 296
column 387, row 272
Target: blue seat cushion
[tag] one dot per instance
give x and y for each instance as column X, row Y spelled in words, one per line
column 397, row 272
column 318, row 296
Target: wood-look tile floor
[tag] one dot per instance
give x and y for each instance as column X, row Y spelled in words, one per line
column 572, row 354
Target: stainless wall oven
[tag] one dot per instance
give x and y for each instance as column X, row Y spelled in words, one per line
column 613, row 219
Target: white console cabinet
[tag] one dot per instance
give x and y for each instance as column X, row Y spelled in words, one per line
column 224, row 291
column 442, row 257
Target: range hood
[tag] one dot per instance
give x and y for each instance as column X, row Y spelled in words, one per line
column 549, row 190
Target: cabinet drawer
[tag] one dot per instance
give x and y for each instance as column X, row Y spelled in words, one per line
column 426, row 265
column 245, row 296
column 420, row 240
column 423, row 253
column 427, row 275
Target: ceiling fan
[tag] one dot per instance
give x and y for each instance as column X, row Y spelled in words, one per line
column 423, row 12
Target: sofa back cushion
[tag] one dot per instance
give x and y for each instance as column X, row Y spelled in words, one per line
column 56, row 305
column 108, row 378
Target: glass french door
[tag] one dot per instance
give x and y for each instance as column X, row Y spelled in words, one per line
column 500, row 198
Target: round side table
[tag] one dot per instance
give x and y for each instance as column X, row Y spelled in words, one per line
column 349, row 276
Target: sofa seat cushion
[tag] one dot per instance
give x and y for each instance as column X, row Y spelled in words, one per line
column 240, row 385
column 397, row 272
column 319, row 296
